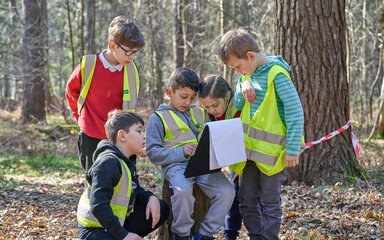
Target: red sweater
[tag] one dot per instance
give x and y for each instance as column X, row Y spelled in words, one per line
column 104, row 95
column 222, row 117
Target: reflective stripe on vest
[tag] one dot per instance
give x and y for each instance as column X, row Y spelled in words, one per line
column 177, row 132
column 231, row 110
column 265, row 133
column 199, row 117
column 130, row 83
column 119, row 202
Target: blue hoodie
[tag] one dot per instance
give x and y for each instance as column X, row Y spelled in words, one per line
column 288, row 101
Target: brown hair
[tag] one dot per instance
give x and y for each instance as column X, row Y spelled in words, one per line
column 125, row 32
column 120, row 120
column 237, row 42
column 183, row 77
column 214, row 86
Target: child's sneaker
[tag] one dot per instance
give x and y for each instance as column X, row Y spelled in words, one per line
column 230, row 238
column 175, row 237
column 198, row 236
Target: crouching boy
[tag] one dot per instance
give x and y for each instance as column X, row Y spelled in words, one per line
column 114, row 205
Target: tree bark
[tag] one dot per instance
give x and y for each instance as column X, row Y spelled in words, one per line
column 224, row 11
column 380, row 19
column 157, row 55
column 178, row 42
column 90, row 27
column 34, row 60
column 311, row 36
column 70, row 33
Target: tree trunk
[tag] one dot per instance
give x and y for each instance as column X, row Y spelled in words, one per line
column 70, row 33
column 311, row 36
column 82, row 27
column 178, row 43
column 380, row 132
column 202, row 203
column 224, row 11
column 90, row 27
column 9, row 77
column 34, row 60
column 156, row 83
column 380, row 19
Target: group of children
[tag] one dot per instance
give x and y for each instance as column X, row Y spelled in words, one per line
column 115, row 206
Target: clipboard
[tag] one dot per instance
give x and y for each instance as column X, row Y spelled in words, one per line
column 221, row 144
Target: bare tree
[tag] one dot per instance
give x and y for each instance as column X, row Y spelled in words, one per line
column 157, row 53
column 380, row 19
column 70, row 33
column 34, row 60
column 90, row 26
column 224, row 10
column 312, row 38
column 178, row 43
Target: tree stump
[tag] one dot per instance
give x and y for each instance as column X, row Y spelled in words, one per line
column 202, row 203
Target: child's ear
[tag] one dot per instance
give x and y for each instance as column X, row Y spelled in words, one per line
column 168, row 91
column 228, row 95
column 251, row 55
column 121, row 135
column 112, row 45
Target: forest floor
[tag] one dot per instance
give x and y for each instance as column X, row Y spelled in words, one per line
column 41, row 181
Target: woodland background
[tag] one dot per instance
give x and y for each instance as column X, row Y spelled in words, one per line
column 336, row 53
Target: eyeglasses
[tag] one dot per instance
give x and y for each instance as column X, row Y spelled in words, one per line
column 129, row 52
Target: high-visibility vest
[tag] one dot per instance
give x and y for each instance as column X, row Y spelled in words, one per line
column 119, row 202
column 177, row 132
column 130, row 81
column 231, row 110
column 265, row 134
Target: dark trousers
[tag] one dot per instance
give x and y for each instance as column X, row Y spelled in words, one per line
column 86, row 146
column 134, row 223
column 260, row 203
column 233, row 220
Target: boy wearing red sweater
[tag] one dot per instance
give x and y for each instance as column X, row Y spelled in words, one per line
column 102, row 82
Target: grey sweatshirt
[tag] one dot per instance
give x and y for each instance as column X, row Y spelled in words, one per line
column 157, row 153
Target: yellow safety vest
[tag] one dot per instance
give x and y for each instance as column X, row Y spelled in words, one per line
column 265, row 134
column 231, row 110
column 177, row 132
column 119, row 202
column 131, row 83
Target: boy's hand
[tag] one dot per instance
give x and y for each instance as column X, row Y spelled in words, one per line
column 133, row 236
column 291, row 161
column 189, row 149
column 153, row 209
column 248, row 91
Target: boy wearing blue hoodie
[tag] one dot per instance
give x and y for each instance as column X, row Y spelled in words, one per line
column 273, row 127
column 171, row 139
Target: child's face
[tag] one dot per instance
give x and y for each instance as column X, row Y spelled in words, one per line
column 243, row 66
column 135, row 139
column 214, row 106
column 120, row 53
column 181, row 98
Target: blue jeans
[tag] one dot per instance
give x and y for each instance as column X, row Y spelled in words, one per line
column 233, row 220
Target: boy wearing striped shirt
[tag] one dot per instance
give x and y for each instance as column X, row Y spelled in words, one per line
column 273, row 125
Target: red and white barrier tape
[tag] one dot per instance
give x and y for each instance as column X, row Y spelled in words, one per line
column 331, row 135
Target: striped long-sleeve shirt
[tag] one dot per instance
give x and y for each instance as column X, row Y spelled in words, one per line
column 288, row 102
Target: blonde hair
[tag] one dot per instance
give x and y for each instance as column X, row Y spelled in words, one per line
column 237, row 42
column 125, row 32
